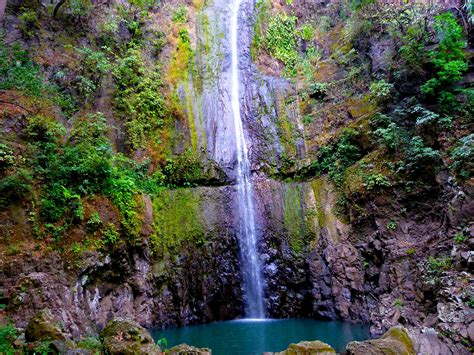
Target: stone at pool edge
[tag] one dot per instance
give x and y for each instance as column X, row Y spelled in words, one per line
column 396, row 341
column 308, row 348
column 185, row 349
column 126, row 337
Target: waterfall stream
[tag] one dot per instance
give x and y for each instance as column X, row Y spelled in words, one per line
column 252, row 278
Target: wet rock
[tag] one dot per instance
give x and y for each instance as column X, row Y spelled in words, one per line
column 43, row 326
column 127, row 337
column 396, row 341
column 185, row 349
column 308, row 348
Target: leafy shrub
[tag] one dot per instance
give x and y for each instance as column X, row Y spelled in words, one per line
column 419, row 158
column 42, row 129
column 17, row 71
column 14, row 187
column 90, row 343
column 138, row 97
column 180, row 15
column 94, row 222
column 280, row 40
column 336, row 157
column 7, row 157
column 392, row 225
column 425, row 117
column 8, row 335
column 29, row 22
column 462, row 157
column 80, row 166
column 110, row 236
column 317, row 90
column 390, row 136
column 438, row 265
column 412, row 50
column 184, row 170
column 380, row 90
column 306, row 32
column 448, row 58
column 460, row 238
column 376, row 180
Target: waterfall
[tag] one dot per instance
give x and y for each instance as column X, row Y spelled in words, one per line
column 252, row 278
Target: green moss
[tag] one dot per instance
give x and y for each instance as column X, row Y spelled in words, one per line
column 317, row 186
column 177, row 219
column 401, row 335
column 294, row 217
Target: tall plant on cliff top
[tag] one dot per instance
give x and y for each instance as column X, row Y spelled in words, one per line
column 448, row 59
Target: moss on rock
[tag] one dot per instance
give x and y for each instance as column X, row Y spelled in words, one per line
column 43, row 326
column 126, row 337
column 309, row 348
column 395, row 341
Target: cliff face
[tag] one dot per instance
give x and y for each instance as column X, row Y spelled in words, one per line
column 117, row 160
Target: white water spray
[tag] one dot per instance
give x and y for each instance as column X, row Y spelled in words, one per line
column 252, row 278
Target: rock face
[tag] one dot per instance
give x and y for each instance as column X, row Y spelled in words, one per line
column 43, row 326
column 127, row 337
column 308, row 348
column 396, row 341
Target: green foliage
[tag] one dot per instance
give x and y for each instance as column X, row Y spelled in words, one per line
column 7, row 157
column 460, row 238
column 94, row 222
column 419, row 158
column 80, row 8
column 18, row 72
column 110, row 235
column 438, row 265
column 398, row 303
column 29, row 22
column 280, row 40
column 138, row 97
column 90, row 343
column 184, row 170
column 411, row 251
column 94, row 65
column 42, row 348
column 8, row 334
column 336, row 157
column 448, row 58
column 425, row 117
column 162, row 343
column 392, row 225
column 413, row 40
column 376, row 181
column 14, row 187
column 462, row 157
column 80, row 166
column 307, row 32
column 389, row 136
column 359, row 4
column 381, row 90
column 180, row 15
column 94, row 62
column 317, row 90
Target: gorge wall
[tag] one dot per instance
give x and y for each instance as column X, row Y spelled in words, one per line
column 351, row 225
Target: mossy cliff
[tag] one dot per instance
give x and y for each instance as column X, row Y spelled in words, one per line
column 118, row 164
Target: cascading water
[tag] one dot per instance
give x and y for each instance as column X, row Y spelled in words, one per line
column 252, row 278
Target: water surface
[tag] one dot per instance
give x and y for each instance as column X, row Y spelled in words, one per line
column 256, row 336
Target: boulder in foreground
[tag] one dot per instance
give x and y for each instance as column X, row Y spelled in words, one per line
column 127, row 337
